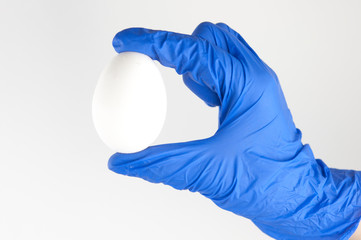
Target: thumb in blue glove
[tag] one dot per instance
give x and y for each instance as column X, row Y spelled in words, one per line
column 255, row 165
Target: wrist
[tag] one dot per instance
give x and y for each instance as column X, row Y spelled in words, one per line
column 357, row 234
column 347, row 184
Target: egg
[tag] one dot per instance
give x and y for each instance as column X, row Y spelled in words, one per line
column 129, row 103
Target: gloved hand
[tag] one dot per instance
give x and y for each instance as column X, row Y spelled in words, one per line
column 255, row 165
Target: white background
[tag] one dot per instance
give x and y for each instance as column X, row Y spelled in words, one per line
column 54, row 181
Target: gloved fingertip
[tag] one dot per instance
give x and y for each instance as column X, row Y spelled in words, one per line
column 111, row 161
column 117, row 43
column 204, row 93
column 129, row 39
column 118, row 162
column 205, row 24
column 221, row 24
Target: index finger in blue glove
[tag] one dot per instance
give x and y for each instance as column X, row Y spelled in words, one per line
column 245, row 45
column 254, row 69
column 210, row 66
column 221, row 37
column 238, row 36
column 211, row 33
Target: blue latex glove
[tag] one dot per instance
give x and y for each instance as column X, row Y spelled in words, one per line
column 255, row 165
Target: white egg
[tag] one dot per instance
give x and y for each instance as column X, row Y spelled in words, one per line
column 129, row 103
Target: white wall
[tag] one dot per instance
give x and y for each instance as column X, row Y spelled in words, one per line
column 54, row 181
